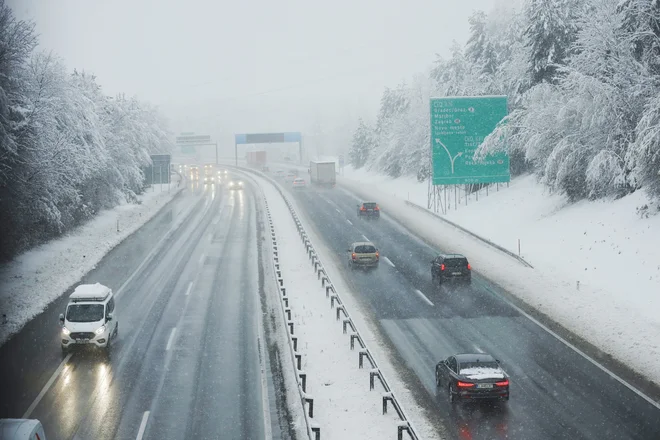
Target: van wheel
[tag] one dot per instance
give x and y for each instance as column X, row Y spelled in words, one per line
column 116, row 332
column 65, row 350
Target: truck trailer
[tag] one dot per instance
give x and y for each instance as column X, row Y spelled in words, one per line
column 322, row 173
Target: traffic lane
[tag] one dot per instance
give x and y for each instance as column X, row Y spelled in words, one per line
column 144, row 360
column 66, row 406
column 170, row 405
column 214, row 371
column 30, row 357
column 483, row 298
column 139, row 306
column 465, row 308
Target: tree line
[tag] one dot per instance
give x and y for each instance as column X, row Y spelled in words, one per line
column 582, row 79
column 67, row 150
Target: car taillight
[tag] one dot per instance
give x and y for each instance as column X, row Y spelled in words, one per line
column 376, row 208
column 469, row 267
column 377, row 255
column 442, row 267
column 504, row 383
column 464, row 384
column 363, row 209
column 353, row 256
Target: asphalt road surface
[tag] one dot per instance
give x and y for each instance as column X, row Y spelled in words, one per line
column 555, row 392
column 186, row 361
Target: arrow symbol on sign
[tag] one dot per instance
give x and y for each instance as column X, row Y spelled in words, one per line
column 451, row 159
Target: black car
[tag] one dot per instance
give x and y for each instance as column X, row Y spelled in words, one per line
column 368, row 210
column 472, row 377
column 447, row 267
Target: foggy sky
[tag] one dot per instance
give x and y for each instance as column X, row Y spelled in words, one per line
column 251, row 65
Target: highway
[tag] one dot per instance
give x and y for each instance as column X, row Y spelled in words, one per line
column 555, row 392
column 186, row 363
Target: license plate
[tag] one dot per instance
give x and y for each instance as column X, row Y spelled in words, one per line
column 82, row 341
column 457, row 273
column 485, row 385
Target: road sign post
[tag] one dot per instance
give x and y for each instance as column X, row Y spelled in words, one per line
column 458, row 126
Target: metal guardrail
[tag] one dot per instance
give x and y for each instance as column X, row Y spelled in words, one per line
column 404, row 425
column 467, row 231
column 313, row 430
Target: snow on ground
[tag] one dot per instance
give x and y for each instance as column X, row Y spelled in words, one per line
column 37, row 277
column 606, row 246
column 344, row 407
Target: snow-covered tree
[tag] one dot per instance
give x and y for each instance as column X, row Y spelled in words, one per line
column 66, row 150
column 361, row 145
column 550, row 33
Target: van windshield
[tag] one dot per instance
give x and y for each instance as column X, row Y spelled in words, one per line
column 84, row 313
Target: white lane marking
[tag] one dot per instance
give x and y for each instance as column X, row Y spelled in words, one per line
column 349, row 222
column 583, row 354
column 477, row 349
column 171, row 339
column 201, row 258
column 365, row 238
column 387, row 260
column 337, row 210
column 189, row 288
column 46, row 387
column 155, row 249
column 143, row 425
column 419, row 292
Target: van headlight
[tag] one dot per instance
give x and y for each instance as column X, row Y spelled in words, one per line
column 100, row 330
column 66, row 331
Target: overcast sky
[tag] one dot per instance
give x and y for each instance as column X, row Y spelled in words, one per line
column 251, row 65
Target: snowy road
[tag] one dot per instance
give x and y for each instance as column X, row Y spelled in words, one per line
column 555, row 392
column 186, row 363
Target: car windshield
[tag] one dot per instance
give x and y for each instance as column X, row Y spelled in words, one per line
column 369, row 205
column 456, row 262
column 365, row 249
column 84, row 312
column 478, row 365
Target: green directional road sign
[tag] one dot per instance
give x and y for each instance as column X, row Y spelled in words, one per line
column 458, row 126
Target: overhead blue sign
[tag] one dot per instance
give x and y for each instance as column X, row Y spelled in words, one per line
column 267, row 138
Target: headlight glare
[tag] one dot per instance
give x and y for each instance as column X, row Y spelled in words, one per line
column 66, row 331
column 100, row 330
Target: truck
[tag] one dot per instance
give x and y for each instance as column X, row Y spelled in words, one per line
column 256, row 158
column 322, row 173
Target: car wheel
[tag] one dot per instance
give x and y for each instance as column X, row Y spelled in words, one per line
column 116, row 332
column 65, row 350
column 450, row 395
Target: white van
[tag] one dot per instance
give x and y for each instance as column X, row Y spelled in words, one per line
column 89, row 319
column 21, row 429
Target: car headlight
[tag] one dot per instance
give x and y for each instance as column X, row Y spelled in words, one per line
column 240, row 183
column 100, row 330
column 66, row 331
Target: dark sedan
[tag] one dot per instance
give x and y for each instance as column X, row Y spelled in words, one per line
column 472, row 377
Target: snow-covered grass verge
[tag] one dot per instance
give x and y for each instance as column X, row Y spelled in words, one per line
column 344, row 406
column 35, row 278
column 612, row 253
